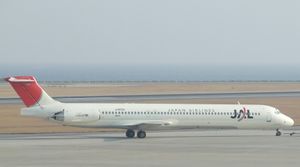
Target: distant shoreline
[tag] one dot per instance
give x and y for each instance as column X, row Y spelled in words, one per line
column 49, row 83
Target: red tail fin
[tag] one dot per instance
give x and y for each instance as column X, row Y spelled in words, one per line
column 27, row 88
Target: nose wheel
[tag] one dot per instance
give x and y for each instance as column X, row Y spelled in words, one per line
column 278, row 133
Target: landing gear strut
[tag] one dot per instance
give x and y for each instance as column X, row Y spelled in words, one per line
column 278, row 133
column 130, row 133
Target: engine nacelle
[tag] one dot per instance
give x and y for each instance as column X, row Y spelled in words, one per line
column 72, row 116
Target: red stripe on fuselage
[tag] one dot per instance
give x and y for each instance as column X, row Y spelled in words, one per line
column 29, row 92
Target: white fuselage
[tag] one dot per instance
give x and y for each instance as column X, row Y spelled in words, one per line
column 162, row 116
column 141, row 117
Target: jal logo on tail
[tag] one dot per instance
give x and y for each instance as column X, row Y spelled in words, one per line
column 242, row 114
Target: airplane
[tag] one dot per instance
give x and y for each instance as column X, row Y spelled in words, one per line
column 137, row 118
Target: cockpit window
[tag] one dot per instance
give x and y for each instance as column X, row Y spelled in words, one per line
column 277, row 111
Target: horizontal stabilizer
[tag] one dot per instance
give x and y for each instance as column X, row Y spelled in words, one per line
column 16, row 80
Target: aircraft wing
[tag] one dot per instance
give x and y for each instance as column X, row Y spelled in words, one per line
column 147, row 124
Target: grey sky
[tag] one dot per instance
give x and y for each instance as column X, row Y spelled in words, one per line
column 151, row 40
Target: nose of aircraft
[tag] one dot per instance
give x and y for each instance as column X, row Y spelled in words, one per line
column 291, row 122
column 288, row 121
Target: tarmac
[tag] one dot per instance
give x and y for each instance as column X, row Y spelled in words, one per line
column 174, row 148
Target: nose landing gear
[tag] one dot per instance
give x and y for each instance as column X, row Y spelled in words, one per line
column 278, row 133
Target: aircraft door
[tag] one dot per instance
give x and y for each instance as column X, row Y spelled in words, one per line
column 99, row 114
column 269, row 117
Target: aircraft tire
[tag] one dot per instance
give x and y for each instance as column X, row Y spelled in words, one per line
column 130, row 133
column 141, row 134
column 278, row 133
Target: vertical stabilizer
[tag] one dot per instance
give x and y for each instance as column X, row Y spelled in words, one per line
column 29, row 91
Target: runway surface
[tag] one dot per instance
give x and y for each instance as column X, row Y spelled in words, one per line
column 177, row 149
column 128, row 98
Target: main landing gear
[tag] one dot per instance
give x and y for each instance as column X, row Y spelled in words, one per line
column 140, row 134
column 130, row 133
column 278, row 133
